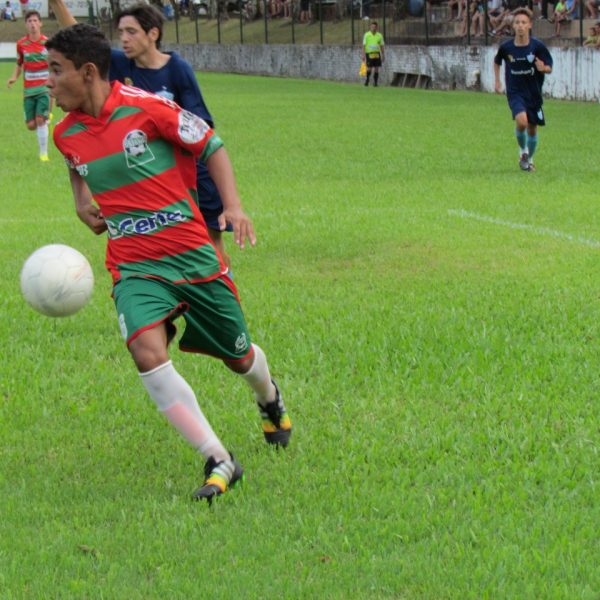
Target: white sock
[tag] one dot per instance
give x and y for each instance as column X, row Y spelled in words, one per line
column 259, row 378
column 42, row 136
column 176, row 400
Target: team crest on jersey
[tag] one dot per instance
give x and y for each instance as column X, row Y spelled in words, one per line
column 191, row 127
column 511, row 58
column 531, row 57
column 137, row 151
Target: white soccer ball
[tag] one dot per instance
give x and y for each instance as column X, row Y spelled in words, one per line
column 57, row 280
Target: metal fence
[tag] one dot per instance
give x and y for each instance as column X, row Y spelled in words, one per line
column 327, row 22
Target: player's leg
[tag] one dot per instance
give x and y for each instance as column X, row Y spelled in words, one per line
column 42, row 111
column 520, row 117
column 145, row 307
column 532, row 141
column 376, row 73
column 276, row 423
column 369, row 69
column 29, row 112
column 216, row 326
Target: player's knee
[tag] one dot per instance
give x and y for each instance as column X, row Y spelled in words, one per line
column 521, row 121
column 240, row 366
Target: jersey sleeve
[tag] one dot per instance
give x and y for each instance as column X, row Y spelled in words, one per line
column 184, row 129
column 499, row 56
column 19, row 54
column 544, row 55
column 189, row 94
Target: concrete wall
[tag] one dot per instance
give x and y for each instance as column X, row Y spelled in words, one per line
column 576, row 73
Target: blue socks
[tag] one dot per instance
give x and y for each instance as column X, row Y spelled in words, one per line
column 532, row 141
column 522, row 139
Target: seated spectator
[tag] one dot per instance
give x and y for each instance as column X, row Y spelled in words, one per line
column 8, row 13
column 544, row 9
column 593, row 40
column 567, row 12
column 476, row 14
column 459, row 5
column 591, row 9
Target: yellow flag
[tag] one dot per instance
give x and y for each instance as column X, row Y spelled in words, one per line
column 363, row 69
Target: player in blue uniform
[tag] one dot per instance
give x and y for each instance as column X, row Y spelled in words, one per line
column 527, row 62
column 142, row 64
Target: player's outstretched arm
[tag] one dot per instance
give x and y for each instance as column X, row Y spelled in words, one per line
column 14, row 76
column 63, row 16
column 86, row 210
column 221, row 172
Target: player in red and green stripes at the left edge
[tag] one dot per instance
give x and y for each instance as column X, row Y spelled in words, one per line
column 132, row 163
column 32, row 61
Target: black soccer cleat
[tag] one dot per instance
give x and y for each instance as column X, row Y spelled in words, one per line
column 524, row 162
column 218, row 478
column 276, row 423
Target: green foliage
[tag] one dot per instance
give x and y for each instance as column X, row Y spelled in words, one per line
column 433, row 329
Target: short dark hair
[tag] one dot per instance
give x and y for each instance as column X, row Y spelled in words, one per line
column 32, row 13
column 83, row 43
column 146, row 15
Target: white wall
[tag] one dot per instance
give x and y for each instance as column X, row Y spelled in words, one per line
column 576, row 73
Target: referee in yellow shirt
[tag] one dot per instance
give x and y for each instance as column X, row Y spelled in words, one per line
column 373, row 52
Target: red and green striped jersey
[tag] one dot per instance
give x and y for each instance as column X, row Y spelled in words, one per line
column 33, row 57
column 138, row 159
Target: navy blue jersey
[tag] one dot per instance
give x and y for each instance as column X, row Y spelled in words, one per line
column 175, row 81
column 522, row 78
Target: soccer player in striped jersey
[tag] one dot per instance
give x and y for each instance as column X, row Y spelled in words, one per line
column 131, row 158
column 32, row 62
column 141, row 63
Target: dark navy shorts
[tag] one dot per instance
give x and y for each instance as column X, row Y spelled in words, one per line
column 535, row 114
column 209, row 200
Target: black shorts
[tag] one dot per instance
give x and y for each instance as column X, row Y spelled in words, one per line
column 374, row 61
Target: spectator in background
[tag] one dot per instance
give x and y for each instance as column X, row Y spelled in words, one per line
column 8, row 13
column 476, row 16
column 564, row 15
column 591, row 9
column 24, row 6
column 305, row 16
column 459, row 5
column 544, row 9
column 593, row 40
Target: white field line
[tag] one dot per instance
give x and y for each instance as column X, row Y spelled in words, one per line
column 561, row 235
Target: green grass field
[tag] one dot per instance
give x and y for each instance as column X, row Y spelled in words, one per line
column 431, row 314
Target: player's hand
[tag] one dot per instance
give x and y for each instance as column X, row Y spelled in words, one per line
column 10, row 81
column 498, row 87
column 92, row 217
column 540, row 66
column 241, row 223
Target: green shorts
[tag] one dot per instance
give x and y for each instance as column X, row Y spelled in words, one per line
column 36, row 106
column 215, row 323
